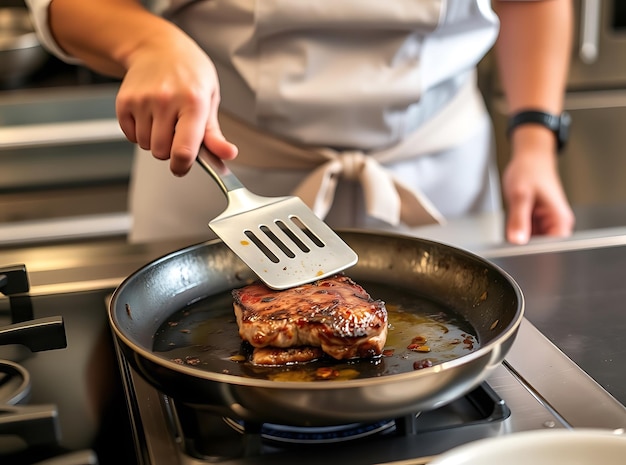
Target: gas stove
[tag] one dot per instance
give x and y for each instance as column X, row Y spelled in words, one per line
column 107, row 413
column 168, row 433
column 56, row 364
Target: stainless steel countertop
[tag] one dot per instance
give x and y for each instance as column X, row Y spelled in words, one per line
column 577, row 299
column 91, row 261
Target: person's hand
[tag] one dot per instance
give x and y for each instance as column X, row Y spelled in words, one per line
column 168, row 102
column 534, row 196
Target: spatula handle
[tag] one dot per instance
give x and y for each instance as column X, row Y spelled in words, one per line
column 218, row 170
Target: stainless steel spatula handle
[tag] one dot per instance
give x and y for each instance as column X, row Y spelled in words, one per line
column 213, row 165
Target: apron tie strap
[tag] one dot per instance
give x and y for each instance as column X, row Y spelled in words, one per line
column 386, row 198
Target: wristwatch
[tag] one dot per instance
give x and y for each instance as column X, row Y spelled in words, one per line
column 558, row 124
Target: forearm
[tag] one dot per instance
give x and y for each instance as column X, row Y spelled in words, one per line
column 532, row 53
column 107, row 34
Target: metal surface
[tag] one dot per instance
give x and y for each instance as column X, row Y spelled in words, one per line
column 279, row 238
column 62, row 157
column 21, row 54
column 485, row 296
column 61, row 137
column 159, row 446
column 599, row 45
column 576, row 299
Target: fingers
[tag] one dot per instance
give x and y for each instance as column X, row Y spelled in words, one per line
column 191, row 133
column 173, row 128
column 555, row 219
column 519, row 223
column 186, row 140
column 162, row 134
column 529, row 215
column 127, row 123
column 220, row 146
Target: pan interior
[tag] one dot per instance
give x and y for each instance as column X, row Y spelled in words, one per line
column 204, row 335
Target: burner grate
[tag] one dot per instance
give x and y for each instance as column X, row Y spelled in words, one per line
column 37, row 426
column 209, row 437
column 311, row 435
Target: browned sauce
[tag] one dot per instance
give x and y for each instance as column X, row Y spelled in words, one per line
column 422, row 333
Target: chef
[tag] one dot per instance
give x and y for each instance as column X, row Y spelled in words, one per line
column 367, row 109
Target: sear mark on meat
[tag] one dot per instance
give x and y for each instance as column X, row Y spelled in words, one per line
column 335, row 314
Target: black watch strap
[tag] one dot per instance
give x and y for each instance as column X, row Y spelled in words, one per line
column 558, row 124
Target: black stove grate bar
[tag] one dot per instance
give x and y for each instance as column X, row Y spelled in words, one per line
column 38, row 335
column 37, row 425
column 14, row 280
column 14, row 284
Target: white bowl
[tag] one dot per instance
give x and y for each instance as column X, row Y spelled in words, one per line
column 544, row 447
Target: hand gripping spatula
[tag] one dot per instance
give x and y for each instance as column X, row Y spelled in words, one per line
column 279, row 238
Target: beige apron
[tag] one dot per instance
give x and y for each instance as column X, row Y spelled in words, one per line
column 386, row 197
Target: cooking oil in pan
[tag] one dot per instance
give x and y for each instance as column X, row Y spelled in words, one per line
column 421, row 334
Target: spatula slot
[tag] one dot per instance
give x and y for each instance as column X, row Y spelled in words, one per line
column 289, row 233
column 256, row 241
column 280, row 244
column 305, row 229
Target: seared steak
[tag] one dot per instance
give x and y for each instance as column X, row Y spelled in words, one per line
column 333, row 313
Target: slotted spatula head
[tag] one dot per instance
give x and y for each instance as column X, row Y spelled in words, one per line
column 279, row 238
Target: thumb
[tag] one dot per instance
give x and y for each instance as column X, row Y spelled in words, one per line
column 217, row 143
column 221, row 147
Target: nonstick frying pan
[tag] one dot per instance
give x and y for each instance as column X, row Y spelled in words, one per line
column 477, row 292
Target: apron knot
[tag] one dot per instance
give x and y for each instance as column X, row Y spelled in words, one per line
column 352, row 164
column 386, row 198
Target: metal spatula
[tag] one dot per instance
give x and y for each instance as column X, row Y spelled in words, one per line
column 279, row 238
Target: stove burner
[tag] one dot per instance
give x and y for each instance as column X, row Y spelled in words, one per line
column 315, row 435
column 37, row 426
column 211, row 438
column 14, row 383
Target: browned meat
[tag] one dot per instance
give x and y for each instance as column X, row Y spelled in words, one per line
column 277, row 356
column 333, row 313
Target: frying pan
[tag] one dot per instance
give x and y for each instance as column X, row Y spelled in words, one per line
column 476, row 290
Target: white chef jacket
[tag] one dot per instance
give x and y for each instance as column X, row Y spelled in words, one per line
column 359, row 79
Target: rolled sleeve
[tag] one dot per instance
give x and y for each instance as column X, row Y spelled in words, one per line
column 39, row 13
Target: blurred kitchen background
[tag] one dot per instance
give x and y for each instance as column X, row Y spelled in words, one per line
column 65, row 165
